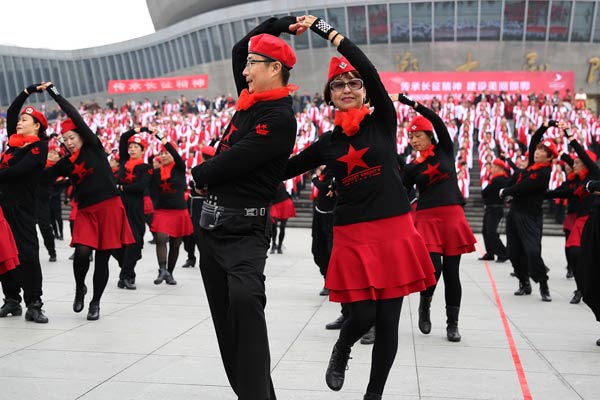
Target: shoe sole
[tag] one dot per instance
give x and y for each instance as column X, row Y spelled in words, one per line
column 14, row 314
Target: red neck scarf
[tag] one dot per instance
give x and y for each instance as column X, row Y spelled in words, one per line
column 74, row 155
column 247, row 100
column 165, row 171
column 571, row 176
column 423, row 155
column 131, row 164
column 19, row 140
column 350, row 120
column 498, row 174
column 539, row 165
column 49, row 163
column 583, row 174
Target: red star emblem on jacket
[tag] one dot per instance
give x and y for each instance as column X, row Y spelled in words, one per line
column 434, row 174
column 129, row 177
column 580, row 192
column 354, row 158
column 5, row 160
column 262, row 129
column 35, row 151
column 82, row 172
column 166, row 187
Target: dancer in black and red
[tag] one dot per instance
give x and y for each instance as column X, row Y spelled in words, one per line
column 43, row 205
column 494, row 212
column 133, row 180
column 56, row 189
column 439, row 218
column 20, row 170
column 566, row 191
column 101, row 223
column 322, row 223
column 171, row 220
column 9, row 254
column 590, row 252
column 524, row 220
column 378, row 257
column 282, row 209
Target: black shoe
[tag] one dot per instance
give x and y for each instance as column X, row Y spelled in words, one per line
column 126, row 284
column 324, row 292
column 513, row 274
column 35, row 313
column 452, row 323
column 80, row 293
column 11, row 306
column 501, row 260
column 121, row 283
column 60, row 237
column 336, row 370
column 545, row 291
column 569, row 273
column 369, row 337
column 524, row 289
column 337, row 324
column 52, row 258
column 279, row 250
column 372, row 396
column 94, row 311
column 487, row 257
column 273, row 248
column 189, row 263
column 169, row 280
column 424, row 314
column 577, row 295
column 162, row 275
column 598, row 342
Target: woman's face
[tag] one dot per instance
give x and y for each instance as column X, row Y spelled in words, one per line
column 578, row 166
column 53, row 155
column 419, row 140
column 541, row 155
column 165, row 157
column 27, row 126
column 135, row 151
column 347, row 92
column 73, row 141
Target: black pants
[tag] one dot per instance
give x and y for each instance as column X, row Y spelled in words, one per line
column 190, row 242
column 232, row 262
column 43, row 221
column 56, row 215
column 491, row 219
column 28, row 275
column 524, row 239
column 588, row 263
column 322, row 240
column 448, row 266
column 129, row 255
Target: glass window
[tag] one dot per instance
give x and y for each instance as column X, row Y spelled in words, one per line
column 227, row 39
column 421, row 22
column 157, row 57
column 399, row 23
column 197, row 47
column 205, row 46
column 582, row 21
column 216, row 43
column 10, row 78
column 378, row 23
column 21, row 73
column 238, row 30
column 514, row 20
column 301, row 41
column 139, row 57
column 250, row 24
column 466, row 20
column 82, row 80
column 357, row 24
column 491, row 15
column 317, row 41
column 560, row 17
column 337, row 18
column 147, row 61
column 537, row 20
column 597, row 26
column 175, row 61
column 36, row 70
column 444, row 21
column 88, row 75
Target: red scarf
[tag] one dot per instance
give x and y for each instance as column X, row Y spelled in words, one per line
column 49, row 163
column 350, row 120
column 498, row 174
column 131, row 164
column 424, row 154
column 74, row 155
column 571, row 176
column 165, row 171
column 583, row 174
column 19, row 140
column 247, row 100
column 539, row 165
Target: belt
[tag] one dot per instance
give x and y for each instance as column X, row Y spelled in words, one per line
column 243, row 212
column 494, row 205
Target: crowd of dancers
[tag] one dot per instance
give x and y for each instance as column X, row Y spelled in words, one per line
column 390, row 177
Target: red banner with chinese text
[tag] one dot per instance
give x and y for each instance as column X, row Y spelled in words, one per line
column 191, row 82
column 423, row 85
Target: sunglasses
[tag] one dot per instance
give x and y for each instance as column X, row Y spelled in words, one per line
column 353, row 84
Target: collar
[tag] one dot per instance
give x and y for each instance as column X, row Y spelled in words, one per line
column 423, row 155
column 538, row 165
column 131, row 164
column 247, row 100
column 504, row 174
column 350, row 120
column 74, row 155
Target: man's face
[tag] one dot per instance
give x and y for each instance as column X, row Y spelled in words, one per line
column 258, row 73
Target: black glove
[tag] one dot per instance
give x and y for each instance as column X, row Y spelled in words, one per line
column 283, row 24
column 53, row 91
column 144, row 129
column 406, row 100
column 552, row 123
column 31, row 89
column 321, row 28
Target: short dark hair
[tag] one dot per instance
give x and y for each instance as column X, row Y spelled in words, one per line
column 285, row 74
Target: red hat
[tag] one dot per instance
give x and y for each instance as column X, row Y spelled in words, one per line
column 420, row 123
column 272, row 47
column 67, row 125
column 338, row 66
column 208, row 151
column 551, row 146
column 37, row 115
column 54, row 147
column 500, row 163
column 138, row 140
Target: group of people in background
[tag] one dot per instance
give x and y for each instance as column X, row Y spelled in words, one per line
column 390, row 178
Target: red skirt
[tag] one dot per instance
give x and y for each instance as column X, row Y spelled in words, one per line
column 574, row 239
column 102, row 226
column 9, row 255
column 175, row 223
column 445, row 230
column 375, row 260
column 283, row 210
column 148, row 206
column 73, row 210
column 569, row 221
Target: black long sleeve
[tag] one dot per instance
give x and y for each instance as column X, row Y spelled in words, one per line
column 536, row 138
column 444, row 139
column 12, row 113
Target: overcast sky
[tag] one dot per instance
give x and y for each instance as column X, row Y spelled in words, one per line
column 72, row 24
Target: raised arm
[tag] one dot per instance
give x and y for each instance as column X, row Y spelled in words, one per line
column 583, row 155
column 444, row 139
column 123, row 145
column 12, row 113
column 84, row 131
column 537, row 138
column 179, row 163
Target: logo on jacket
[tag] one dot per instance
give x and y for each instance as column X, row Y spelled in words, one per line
column 262, row 129
column 81, row 171
column 354, row 159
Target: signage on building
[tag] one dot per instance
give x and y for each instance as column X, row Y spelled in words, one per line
column 192, row 82
column 428, row 84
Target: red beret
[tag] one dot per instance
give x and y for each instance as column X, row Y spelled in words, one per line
column 551, row 146
column 272, row 47
column 208, row 151
column 37, row 115
column 338, row 66
column 420, row 123
column 67, row 125
column 138, row 140
column 500, row 163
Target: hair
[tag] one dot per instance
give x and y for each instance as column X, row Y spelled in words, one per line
column 548, row 152
column 285, row 74
column 42, row 131
column 327, row 89
column 431, row 136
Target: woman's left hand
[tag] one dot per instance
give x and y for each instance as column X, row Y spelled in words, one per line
column 302, row 24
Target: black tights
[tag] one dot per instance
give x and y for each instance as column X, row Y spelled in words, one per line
column 81, row 265
column 161, row 250
column 282, row 224
column 385, row 316
column 449, row 267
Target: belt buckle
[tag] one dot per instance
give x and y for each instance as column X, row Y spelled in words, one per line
column 250, row 212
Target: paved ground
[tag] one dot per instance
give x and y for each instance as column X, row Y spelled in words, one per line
column 158, row 342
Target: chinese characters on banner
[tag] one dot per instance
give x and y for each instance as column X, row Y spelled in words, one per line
column 424, row 85
column 191, row 82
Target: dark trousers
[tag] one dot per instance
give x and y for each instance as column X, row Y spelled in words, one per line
column 190, row 241
column 28, row 275
column 588, row 263
column 524, row 239
column 232, row 262
column 129, row 255
column 43, row 221
column 491, row 219
column 322, row 240
column 56, row 215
